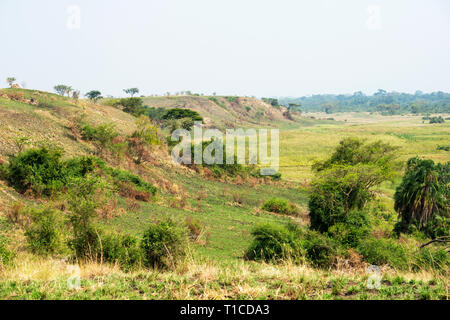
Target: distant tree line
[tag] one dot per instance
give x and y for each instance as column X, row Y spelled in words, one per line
column 387, row 103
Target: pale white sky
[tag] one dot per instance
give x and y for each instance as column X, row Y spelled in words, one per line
column 242, row 47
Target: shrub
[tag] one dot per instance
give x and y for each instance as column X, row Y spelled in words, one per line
column 122, row 178
column 83, row 202
column 384, row 251
column 43, row 172
column 102, row 135
column 435, row 259
column 164, row 244
column 281, row 206
column 44, row 233
column 6, row 256
column 320, row 250
column 121, row 249
column 40, row 170
column 274, row 242
column 350, row 232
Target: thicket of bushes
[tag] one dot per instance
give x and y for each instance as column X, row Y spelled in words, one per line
column 220, row 170
column 279, row 205
column 43, row 172
column 341, row 220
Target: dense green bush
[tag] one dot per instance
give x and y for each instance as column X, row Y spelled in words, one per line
column 350, row 232
column 43, row 172
column 274, row 242
column 385, row 251
column 164, row 244
column 121, row 249
column 320, row 250
column 279, row 205
column 40, row 170
column 44, row 234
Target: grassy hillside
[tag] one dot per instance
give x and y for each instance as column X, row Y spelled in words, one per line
column 226, row 112
column 227, row 208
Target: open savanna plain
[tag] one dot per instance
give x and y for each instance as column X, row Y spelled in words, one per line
column 228, row 209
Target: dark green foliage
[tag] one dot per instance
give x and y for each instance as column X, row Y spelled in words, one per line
column 422, row 198
column 40, row 170
column 178, row 113
column 384, row 251
column 279, row 205
column 350, row 232
column 277, row 242
column 121, row 249
column 44, row 234
column 437, row 120
column 134, row 106
column 320, row 250
column 94, row 95
column 274, row 242
column 344, row 182
column 155, row 113
column 164, row 244
column 43, row 172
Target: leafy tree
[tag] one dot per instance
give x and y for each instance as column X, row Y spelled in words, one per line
column 10, row 81
column 422, row 198
column 178, row 113
column 94, row 95
column 135, row 106
column 61, row 89
column 131, row 91
column 344, row 182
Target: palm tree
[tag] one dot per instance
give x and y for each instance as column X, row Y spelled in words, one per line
column 423, row 193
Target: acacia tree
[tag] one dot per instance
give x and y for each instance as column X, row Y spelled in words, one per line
column 10, row 81
column 131, row 91
column 94, row 95
column 61, row 89
column 421, row 200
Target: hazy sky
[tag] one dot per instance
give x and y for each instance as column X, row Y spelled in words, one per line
column 242, row 47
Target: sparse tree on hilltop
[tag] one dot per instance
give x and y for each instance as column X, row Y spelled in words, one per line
column 94, row 95
column 131, row 91
column 61, row 89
